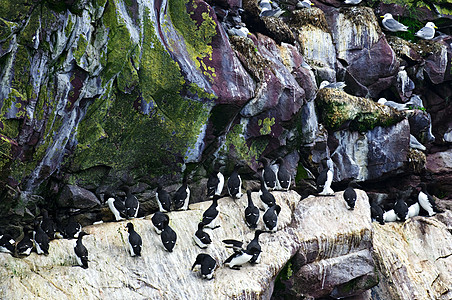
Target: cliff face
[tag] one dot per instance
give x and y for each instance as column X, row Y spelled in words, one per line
column 99, row 94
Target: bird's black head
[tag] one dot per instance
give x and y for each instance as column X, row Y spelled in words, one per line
column 82, row 234
column 130, row 226
column 280, row 161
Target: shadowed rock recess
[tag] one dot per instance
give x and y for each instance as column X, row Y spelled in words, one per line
column 102, row 96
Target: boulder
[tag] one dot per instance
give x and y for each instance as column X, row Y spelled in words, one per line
column 414, row 258
column 73, row 196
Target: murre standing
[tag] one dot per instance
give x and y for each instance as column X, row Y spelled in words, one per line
column 182, row 196
column 40, row 239
column 215, row 182
column 208, row 265
column 426, row 200
column 160, row 221
column 234, row 184
column 283, row 177
column 163, row 199
column 169, row 238
column 202, row 238
column 401, row 209
column 325, row 179
column 376, row 213
column 268, row 200
column 132, row 205
column 116, row 206
column 72, row 229
column 251, row 212
column 81, row 253
column 268, row 174
column 210, row 216
column 135, row 241
column 253, row 244
column 271, row 218
column 47, row 224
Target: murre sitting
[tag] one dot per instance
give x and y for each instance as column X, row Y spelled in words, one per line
column 72, row 229
column 413, row 210
column 210, row 216
column 135, row 241
column 163, row 199
column 116, row 206
column 169, row 238
column 25, row 246
column 40, row 239
column 208, row 265
column 81, row 253
column 376, row 213
column 215, row 182
column 350, row 195
column 426, row 200
column 234, row 184
column 268, row 175
column 202, row 238
column 251, row 212
column 239, row 258
column 182, row 196
column 271, row 218
column 283, row 177
column 7, row 243
column 160, row 221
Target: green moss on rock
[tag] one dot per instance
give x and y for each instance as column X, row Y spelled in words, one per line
column 337, row 109
column 245, row 151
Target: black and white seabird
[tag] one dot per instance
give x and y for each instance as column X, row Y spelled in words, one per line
column 376, row 213
column 413, row 210
column 132, row 205
column 210, row 216
column 270, row 218
column 389, row 216
column 253, row 244
column 7, row 243
column 182, row 196
column 202, row 238
column 325, row 179
column 267, row 198
column 208, row 265
column 251, row 212
column 350, row 195
column 25, row 245
column 47, row 224
column 283, row 177
column 169, row 238
column 401, row 209
column 135, row 241
column 426, row 201
column 215, row 182
column 116, row 206
column 239, row 258
column 160, row 221
column 268, row 174
column 235, row 183
column 163, row 199
column 81, row 253
column 41, row 240
column 72, row 229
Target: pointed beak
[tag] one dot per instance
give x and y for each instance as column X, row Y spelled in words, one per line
column 435, row 27
column 312, row 4
column 382, row 17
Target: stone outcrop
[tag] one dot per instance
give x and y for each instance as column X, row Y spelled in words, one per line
column 414, row 258
column 321, row 233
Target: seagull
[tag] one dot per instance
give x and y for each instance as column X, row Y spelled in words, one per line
column 427, row 32
column 335, row 85
column 304, row 4
column 392, row 25
column 352, row 2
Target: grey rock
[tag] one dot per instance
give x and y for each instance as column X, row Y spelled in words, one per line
column 73, row 196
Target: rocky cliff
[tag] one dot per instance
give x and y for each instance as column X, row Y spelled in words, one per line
column 100, row 94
